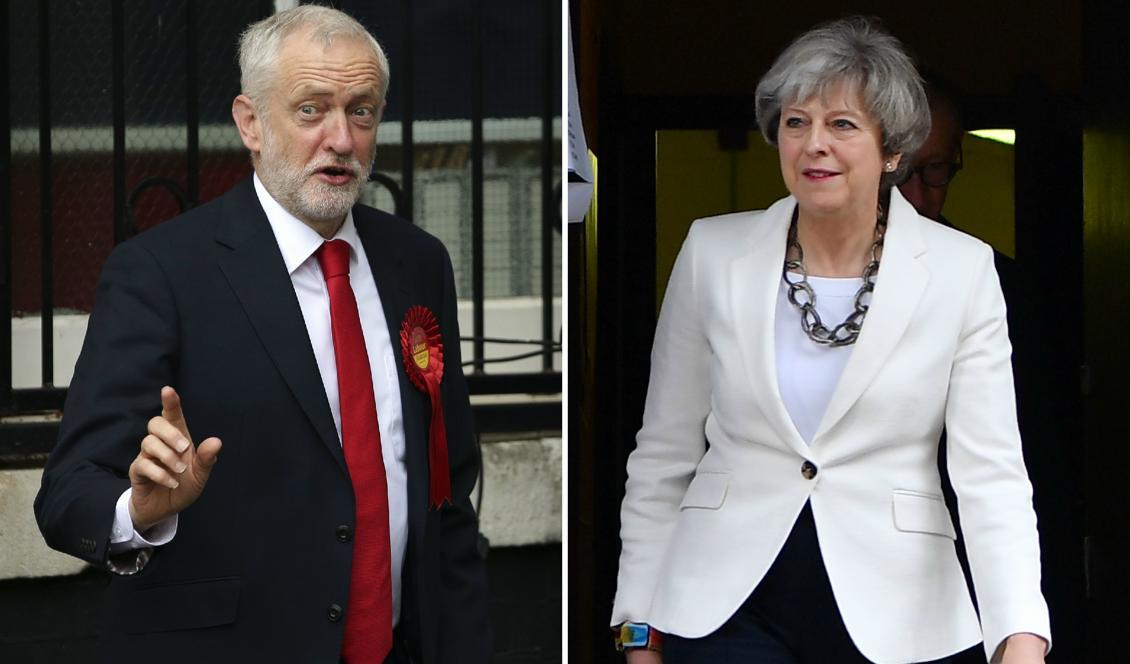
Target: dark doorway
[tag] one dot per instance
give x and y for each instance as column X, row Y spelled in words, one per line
column 645, row 70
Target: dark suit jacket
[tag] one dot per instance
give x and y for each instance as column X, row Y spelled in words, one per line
column 204, row 303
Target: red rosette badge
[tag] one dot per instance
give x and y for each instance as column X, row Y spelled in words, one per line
column 422, row 348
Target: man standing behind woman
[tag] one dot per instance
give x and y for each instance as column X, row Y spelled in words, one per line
column 783, row 503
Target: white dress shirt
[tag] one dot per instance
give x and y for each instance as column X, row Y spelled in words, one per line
column 298, row 242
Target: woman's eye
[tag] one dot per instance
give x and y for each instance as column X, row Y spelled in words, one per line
column 793, row 122
column 843, row 124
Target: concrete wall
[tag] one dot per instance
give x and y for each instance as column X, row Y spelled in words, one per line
column 521, row 506
column 522, row 491
column 22, row 551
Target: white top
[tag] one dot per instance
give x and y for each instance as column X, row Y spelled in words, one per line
column 298, row 242
column 807, row 372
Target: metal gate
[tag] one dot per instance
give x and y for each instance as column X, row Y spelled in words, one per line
column 118, row 118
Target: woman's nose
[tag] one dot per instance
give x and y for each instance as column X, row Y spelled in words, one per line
column 817, row 140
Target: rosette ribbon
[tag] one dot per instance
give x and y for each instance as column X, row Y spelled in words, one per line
column 422, row 348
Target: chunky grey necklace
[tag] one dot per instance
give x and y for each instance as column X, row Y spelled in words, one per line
column 802, row 296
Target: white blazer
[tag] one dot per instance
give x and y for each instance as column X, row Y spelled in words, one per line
column 703, row 523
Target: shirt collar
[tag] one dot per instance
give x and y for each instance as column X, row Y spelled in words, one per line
column 297, row 241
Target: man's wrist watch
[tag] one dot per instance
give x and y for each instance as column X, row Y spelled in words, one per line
column 128, row 563
column 637, row 636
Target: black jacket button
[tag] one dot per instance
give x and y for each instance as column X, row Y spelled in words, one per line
column 334, row 613
column 808, row 470
column 344, row 533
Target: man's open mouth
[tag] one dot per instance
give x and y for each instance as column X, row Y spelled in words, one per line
column 337, row 176
column 337, row 171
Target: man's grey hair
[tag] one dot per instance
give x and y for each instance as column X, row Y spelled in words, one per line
column 260, row 43
column 855, row 52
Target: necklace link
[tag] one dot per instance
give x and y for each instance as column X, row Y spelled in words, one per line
column 803, row 297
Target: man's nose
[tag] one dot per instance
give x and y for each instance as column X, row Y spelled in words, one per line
column 338, row 137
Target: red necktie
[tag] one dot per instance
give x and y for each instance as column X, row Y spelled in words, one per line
column 368, row 615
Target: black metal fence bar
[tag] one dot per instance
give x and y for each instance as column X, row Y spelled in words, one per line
column 35, row 399
column 477, row 266
column 548, row 213
column 192, row 107
column 407, row 109
column 25, row 445
column 507, row 358
column 393, row 189
column 5, row 210
column 523, row 383
column 118, row 103
column 513, row 418
column 47, row 263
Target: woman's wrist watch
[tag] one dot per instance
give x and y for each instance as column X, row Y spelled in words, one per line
column 637, row 636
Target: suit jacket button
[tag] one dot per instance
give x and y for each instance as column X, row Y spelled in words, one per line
column 344, row 534
column 808, row 470
column 334, row 613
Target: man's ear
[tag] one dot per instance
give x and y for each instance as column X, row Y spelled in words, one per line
column 248, row 122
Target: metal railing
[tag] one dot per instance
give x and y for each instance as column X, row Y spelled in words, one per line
column 29, row 439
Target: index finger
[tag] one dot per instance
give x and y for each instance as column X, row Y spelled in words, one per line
column 171, row 410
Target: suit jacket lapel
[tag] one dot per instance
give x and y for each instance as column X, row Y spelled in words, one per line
column 756, row 280
column 386, row 262
column 253, row 265
column 902, row 280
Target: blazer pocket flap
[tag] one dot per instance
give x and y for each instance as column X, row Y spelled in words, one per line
column 186, row 605
column 918, row 512
column 707, row 491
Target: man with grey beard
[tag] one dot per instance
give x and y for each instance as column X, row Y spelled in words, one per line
column 314, row 341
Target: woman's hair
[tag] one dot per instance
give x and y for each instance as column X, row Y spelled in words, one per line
column 855, row 52
column 260, row 44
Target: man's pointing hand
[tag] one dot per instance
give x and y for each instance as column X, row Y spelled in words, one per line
column 169, row 472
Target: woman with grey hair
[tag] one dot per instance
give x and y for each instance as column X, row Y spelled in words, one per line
column 784, row 501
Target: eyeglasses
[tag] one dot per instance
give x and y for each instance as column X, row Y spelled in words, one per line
column 936, row 174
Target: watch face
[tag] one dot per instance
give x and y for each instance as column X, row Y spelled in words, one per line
column 633, row 635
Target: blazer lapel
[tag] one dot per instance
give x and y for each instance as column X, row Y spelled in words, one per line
column 899, row 287
column 385, row 256
column 253, row 265
column 756, row 280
